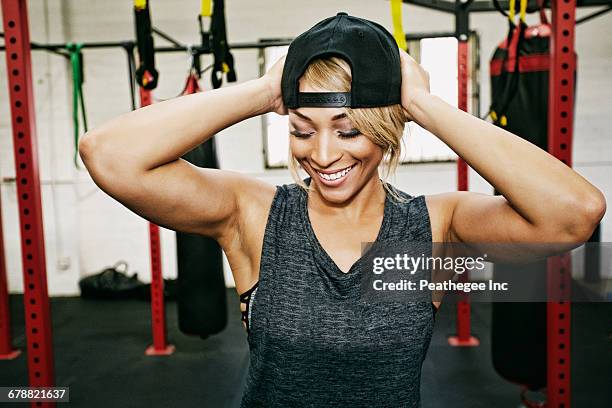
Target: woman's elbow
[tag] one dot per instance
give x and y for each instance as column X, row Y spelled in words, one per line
column 98, row 158
column 87, row 145
column 585, row 217
column 595, row 209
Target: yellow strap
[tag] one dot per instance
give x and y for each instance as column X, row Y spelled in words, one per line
column 225, row 67
column 523, row 11
column 206, row 10
column 511, row 8
column 140, row 4
column 398, row 30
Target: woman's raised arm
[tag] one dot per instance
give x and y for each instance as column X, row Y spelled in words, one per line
column 543, row 199
column 135, row 158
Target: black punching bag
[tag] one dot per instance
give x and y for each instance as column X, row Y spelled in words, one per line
column 518, row 330
column 202, row 307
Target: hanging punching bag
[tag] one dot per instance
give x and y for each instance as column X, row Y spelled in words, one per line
column 519, row 72
column 519, row 82
column 202, row 308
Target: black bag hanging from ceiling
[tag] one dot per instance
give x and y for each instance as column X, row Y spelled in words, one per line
column 519, row 81
column 202, row 307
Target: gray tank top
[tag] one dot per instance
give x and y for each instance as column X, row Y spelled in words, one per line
column 313, row 342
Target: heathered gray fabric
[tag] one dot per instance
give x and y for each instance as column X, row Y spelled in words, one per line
column 312, row 341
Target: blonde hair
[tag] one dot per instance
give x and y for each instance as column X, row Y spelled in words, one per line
column 384, row 125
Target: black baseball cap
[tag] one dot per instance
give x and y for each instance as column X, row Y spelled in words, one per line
column 367, row 47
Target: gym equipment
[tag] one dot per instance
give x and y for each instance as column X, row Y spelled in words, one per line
column 518, row 331
column 202, row 303
column 519, row 80
column 223, row 59
column 41, row 366
column 398, row 28
column 76, row 61
column 146, row 53
column 7, row 352
column 112, row 283
column 463, row 337
column 128, row 46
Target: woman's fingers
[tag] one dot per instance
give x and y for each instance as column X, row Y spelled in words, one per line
column 274, row 77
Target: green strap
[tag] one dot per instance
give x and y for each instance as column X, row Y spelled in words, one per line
column 77, row 94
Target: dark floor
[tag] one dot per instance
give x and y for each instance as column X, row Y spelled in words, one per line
column 99, row 353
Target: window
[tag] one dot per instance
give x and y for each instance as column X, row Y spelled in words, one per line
column 437, row 55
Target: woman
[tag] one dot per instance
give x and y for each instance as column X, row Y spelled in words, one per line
column 313, row 341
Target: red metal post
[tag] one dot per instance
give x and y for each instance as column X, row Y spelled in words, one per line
column 160, row 347
column 560, row 128
column 37, row 311
column 7, row 352
column 464, row 337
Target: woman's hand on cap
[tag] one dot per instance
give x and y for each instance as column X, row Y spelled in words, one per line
column 415, row 82
column 272, row 79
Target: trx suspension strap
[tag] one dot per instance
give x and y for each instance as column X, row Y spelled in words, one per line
column 206, row 8
column 76, row 61
column 398, row 30
column 206, row 11
column 146, row 49
column 223, row 59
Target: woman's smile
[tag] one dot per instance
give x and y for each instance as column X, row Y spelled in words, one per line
column 333, row 178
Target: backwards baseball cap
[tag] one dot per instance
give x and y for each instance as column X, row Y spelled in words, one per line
column 369, row 49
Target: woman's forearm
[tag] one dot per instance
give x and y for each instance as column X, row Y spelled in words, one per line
column 538, row 186
column 160, row 133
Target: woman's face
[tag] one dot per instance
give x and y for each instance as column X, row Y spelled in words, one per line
column 339, row 159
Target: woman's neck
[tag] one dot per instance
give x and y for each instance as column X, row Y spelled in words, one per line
column 367, row 201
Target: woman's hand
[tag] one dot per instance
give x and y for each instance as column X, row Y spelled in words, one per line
column 272, row 79
column 415, row 83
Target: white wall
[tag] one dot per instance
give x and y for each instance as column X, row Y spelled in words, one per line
column 86, row 231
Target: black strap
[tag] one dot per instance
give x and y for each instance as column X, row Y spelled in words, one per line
column 514, row 80
column 128, row 46
column 223, row 59
column 324, row 99
column 507, row 91
column 146, row 50
column 244, row 297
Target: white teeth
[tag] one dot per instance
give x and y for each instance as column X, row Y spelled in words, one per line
column 335, row 176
